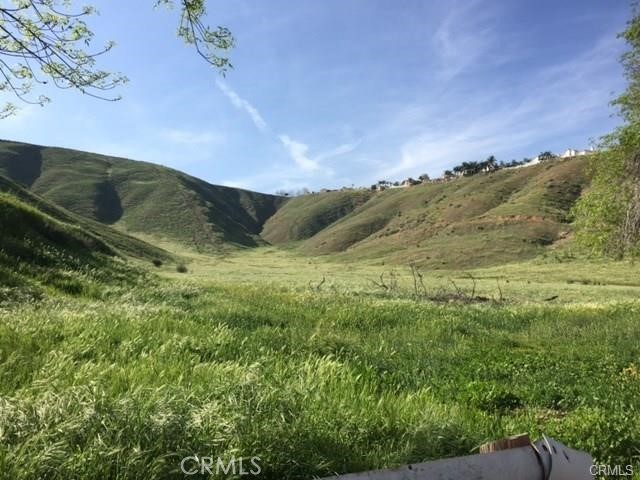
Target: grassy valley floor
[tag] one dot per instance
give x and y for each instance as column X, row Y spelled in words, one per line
column 556, row 276
column 248, row 355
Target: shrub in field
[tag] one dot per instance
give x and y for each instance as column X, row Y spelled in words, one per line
column 182, row 268
column 157, row 262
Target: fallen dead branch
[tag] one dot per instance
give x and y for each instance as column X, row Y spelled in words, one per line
column 318, row 286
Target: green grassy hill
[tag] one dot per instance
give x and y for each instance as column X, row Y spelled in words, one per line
column 487, row 219
column 508, row 215
column 139, row 197
column 40, row 251
column 116, row 242
column 309, row 214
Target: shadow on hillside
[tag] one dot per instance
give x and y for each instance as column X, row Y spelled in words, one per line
column 108, row 205
column 26, row 167
column 239, row 215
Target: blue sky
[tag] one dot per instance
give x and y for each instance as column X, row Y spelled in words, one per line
column 327, row 93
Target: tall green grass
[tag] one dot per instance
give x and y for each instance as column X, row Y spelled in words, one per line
column 127, row 385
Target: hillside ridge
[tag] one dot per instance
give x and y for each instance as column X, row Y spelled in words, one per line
column 483, row 219
column 118, row 243
column 141, row 198
column 43, row 247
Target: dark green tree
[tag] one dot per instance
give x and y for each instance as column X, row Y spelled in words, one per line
column 47, row 41
column 607, row 217
column 545, row 156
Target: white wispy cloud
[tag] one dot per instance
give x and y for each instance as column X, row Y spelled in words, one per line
column 338, row 151
column 188, row 137
column 277, row 177
column 306, row 172
column 467, row 37
column 298, row 152
column 242, row 104
column 553, row 102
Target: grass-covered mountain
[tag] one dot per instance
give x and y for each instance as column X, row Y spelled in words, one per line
column 43, row 246
column 116, row 242
column 140, row 198
column 508, row 215
column 308, row 215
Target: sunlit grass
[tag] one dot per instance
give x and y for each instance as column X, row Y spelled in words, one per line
column 571, row 281
column 311, row 382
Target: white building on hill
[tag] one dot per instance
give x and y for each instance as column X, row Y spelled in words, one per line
column 572, row 152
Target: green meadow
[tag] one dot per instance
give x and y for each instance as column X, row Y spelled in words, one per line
column 362, row 310
column 377, row 329
column 253, row 354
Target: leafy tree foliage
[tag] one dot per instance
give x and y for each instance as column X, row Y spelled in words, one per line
column 607, row 217
column 467, row 169
column 546, row 156
column 513, row 163
column 47, row 41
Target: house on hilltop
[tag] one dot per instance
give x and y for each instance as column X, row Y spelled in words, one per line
column 410, row 182
column 381, row 185
column 572, row 152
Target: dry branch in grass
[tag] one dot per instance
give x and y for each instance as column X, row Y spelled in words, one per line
column 318, row 286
